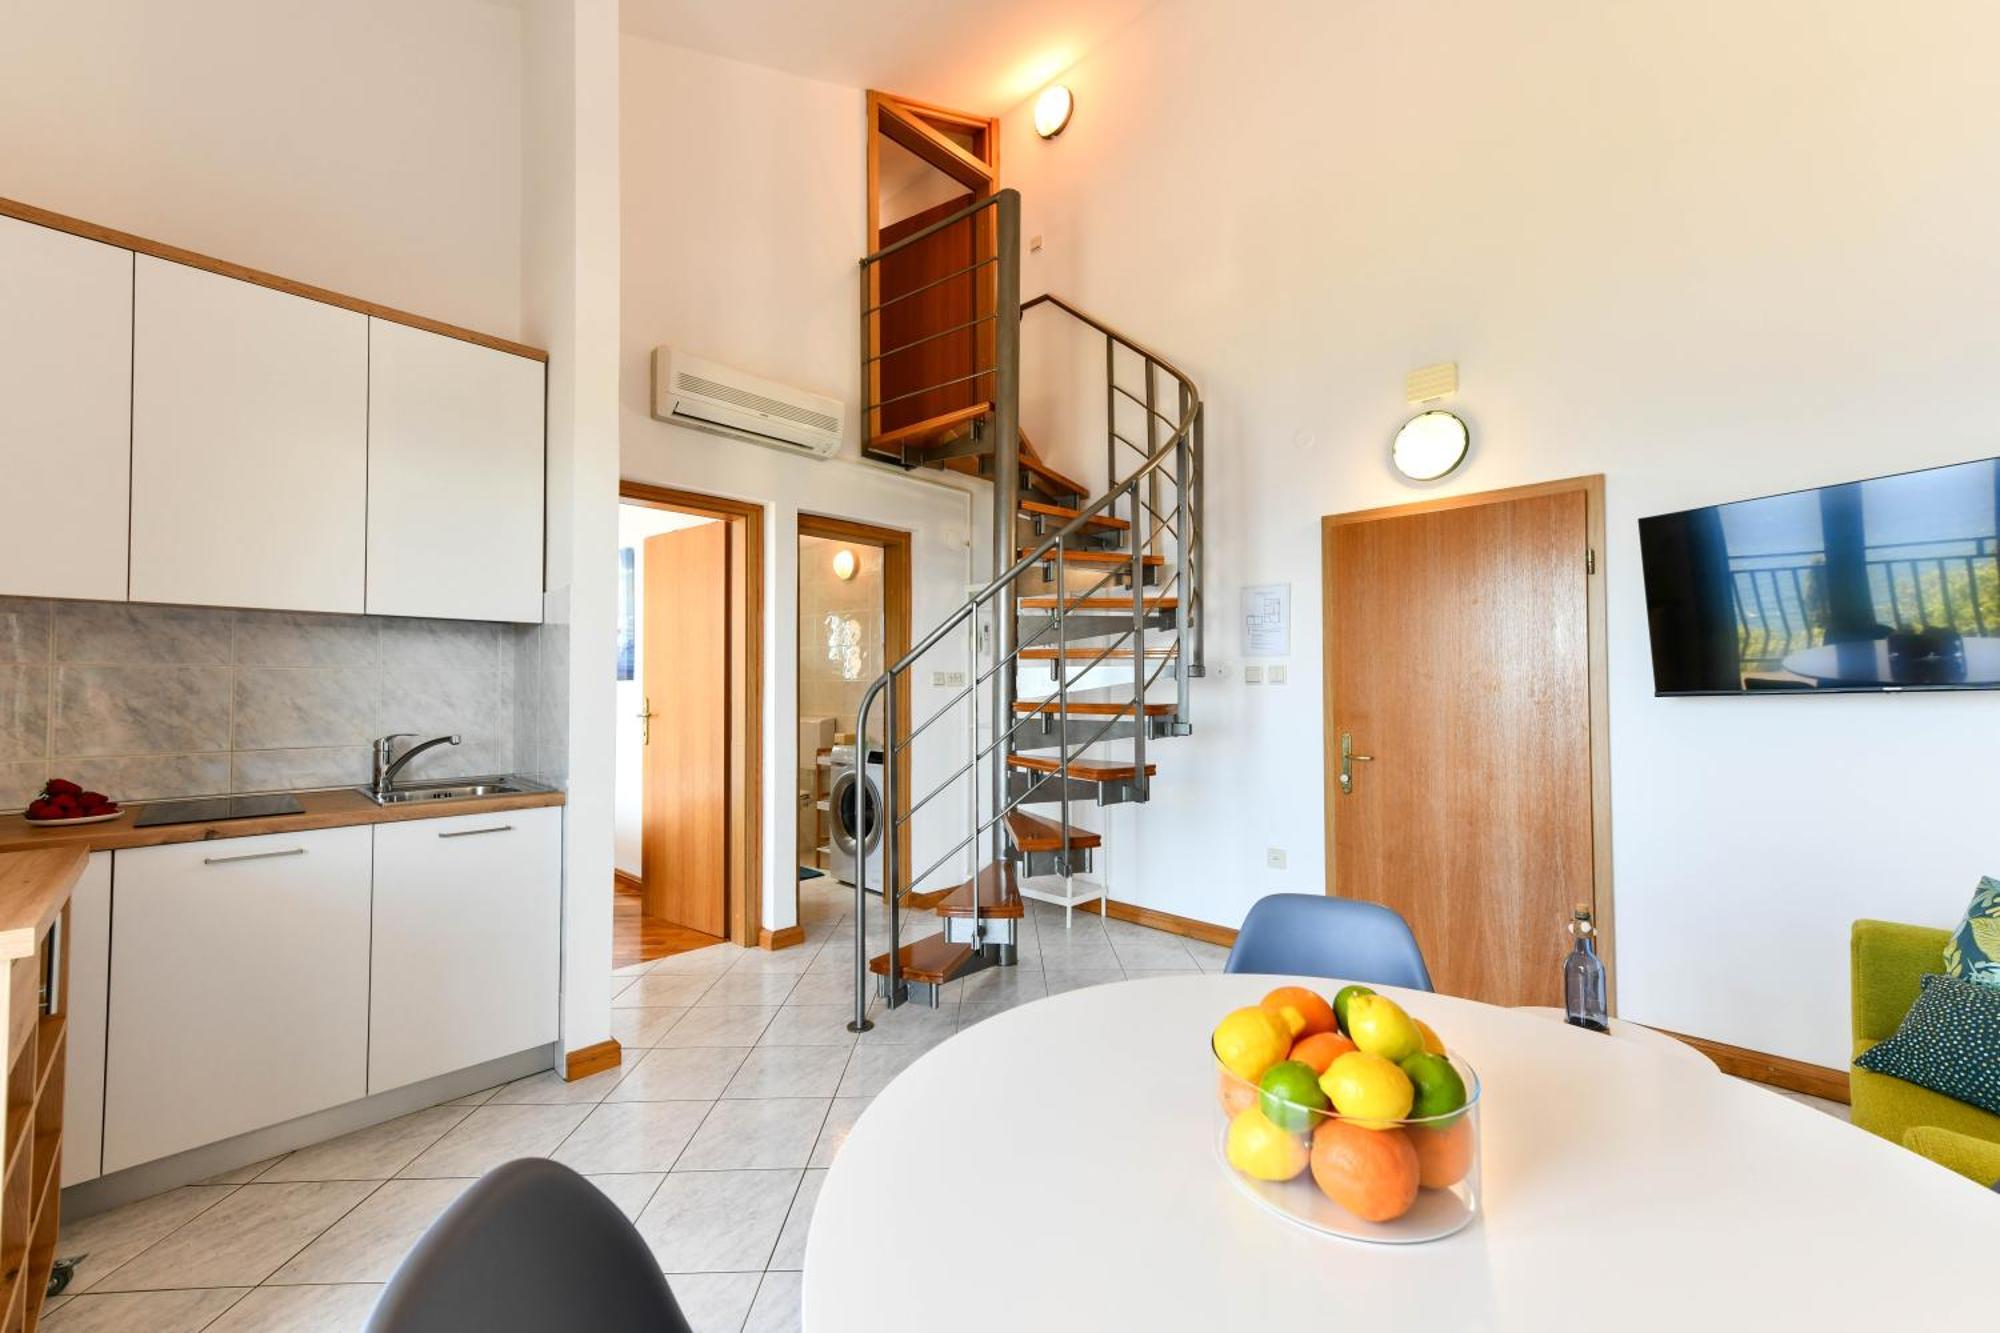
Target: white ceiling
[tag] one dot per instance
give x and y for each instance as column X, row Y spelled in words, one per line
column 983, row 56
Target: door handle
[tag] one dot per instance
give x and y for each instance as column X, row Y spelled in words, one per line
column 1348, row 759
column 251, row 856
column 475, row 832
column 646, row 723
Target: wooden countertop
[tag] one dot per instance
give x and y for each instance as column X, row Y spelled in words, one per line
column 33, row 888
column 323, row 809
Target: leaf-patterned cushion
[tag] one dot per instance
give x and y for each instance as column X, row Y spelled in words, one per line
column 1949, row 1042
column 1973, row 951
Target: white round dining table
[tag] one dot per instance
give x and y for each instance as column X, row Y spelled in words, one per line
column 1053, row 1167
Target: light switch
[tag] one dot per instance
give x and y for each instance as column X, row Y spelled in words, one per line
column 951, row 680
column 1275, row 673
column 1253, row 675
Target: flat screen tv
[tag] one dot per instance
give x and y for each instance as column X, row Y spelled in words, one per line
column 1888, row 584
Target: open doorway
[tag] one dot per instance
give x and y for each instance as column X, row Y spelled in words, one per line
column 854, row 620
column 690, row 648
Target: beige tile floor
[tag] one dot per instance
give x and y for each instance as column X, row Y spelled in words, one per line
column 739, row 1083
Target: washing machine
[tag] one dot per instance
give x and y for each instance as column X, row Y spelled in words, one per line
column 855, row 803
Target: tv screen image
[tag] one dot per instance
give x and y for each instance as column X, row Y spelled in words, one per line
column 1887, row 584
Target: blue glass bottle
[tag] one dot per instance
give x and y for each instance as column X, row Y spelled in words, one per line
column 1583, row 976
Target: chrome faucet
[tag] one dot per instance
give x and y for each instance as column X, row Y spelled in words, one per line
column 386, row 768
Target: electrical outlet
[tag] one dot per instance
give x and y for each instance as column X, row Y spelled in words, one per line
column 1253, row 675
column 951, row 680
column 1275, row 674
column 1274, row 858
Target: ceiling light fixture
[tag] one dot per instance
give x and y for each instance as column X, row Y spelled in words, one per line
column 844, row 564
column 1430, row 445
column 1052, row 110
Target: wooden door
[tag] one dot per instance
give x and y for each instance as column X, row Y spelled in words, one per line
column 1460, row 663
column 931, row 338
column 684, row 861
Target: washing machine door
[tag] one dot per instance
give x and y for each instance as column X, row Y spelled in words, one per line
column 857, row 813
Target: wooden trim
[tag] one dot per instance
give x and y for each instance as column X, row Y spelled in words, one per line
column 1220, row 936
column 782, row 938
column 1779, row 1071
column 746, row 743
column 897, row 629
column 125, row 240
column 592, row 1059
column 625, row 880
column 924, row 141
column 1592, row 488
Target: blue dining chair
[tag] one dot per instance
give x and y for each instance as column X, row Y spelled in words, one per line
column 530, row 1246
column 1309, row 935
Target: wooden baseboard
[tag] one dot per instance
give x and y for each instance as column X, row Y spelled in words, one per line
column 781, row 939
column 592, row 1059
column 1220, row 936
column 627, row 883
column 1778, row 1071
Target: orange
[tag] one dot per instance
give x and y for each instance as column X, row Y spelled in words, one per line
column 1320, row 1050
column 1307, row 1014
column 1372, row 1173
column 1432, row 1042
column 1443, row 1155
column 1237, row 1096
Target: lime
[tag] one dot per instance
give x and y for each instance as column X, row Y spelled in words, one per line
column 1291, row 1094
column 1440, row 1090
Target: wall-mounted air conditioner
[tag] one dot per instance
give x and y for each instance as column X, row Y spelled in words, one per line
column 691, row 391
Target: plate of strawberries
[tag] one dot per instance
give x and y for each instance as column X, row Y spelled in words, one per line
column 63, row 803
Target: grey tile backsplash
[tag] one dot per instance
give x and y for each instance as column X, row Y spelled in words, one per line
column 150, row 702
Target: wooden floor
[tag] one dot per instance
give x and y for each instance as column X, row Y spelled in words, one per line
column 637, row 938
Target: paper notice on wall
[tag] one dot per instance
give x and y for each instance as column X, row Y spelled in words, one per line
column 1267, row 620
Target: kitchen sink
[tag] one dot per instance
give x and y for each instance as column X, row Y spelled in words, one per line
column 470, row 789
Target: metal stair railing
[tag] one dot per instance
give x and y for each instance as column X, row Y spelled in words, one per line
column 1174, row 459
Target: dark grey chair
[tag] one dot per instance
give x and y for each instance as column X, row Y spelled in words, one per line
column 1309, row 935
column 531, row 1246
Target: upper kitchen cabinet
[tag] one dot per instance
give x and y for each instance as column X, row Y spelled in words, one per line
column 249, row 444
column 65, row 413
column 455, row 474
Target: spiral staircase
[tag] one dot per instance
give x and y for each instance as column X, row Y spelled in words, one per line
column 1091, row 630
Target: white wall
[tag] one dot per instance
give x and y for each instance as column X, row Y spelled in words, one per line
column 1712, row 250
column 744, row 219
column 635, row 524
column 373, row 147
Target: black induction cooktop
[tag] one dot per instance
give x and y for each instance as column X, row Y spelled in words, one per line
column 210, row 809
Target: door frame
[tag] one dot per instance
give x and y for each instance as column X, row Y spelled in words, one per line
column 896, row 634
column 1592, row 489
column 744, row 877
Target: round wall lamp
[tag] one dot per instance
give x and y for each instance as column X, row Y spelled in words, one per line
column 844, row 564
column 1430, row 445
column 1052, row 110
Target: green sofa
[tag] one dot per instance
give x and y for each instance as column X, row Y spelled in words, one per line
column 1888, row 961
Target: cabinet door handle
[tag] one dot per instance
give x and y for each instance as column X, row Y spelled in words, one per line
column 52, row 979
column 475, row 832
column 251, row 856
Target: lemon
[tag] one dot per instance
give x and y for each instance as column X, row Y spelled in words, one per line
column 1249, row 1041
column 1379, row 1026
column 1368, row 1090
column 1262, row 1151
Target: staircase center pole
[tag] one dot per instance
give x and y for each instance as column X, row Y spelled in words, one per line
column 1006, row 505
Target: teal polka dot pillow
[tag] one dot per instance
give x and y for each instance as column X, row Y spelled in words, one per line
column 1949, row 1042
column 1974, row 950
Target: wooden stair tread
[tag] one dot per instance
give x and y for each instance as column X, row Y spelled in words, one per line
column 1098, row 557
column 1056, row 480
column 931, row 961
column 998, row 897
column 930, row 432
column 1086, row 654
column 1084, row 705
column 1101, row 602
column 1083, row 770
column 1032, row 833
column 1065, row 513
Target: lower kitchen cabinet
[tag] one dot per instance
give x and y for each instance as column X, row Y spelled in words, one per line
column 239, row 988
column 89, row 993
column 468, row 924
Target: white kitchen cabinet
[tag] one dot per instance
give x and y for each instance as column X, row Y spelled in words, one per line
column 65, row 413
column 468, row 925
column 89, row 994
column 239, row 988
column 249, row 444
column 455, row 470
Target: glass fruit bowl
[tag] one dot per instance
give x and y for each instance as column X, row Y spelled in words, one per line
column 1391, row 1181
